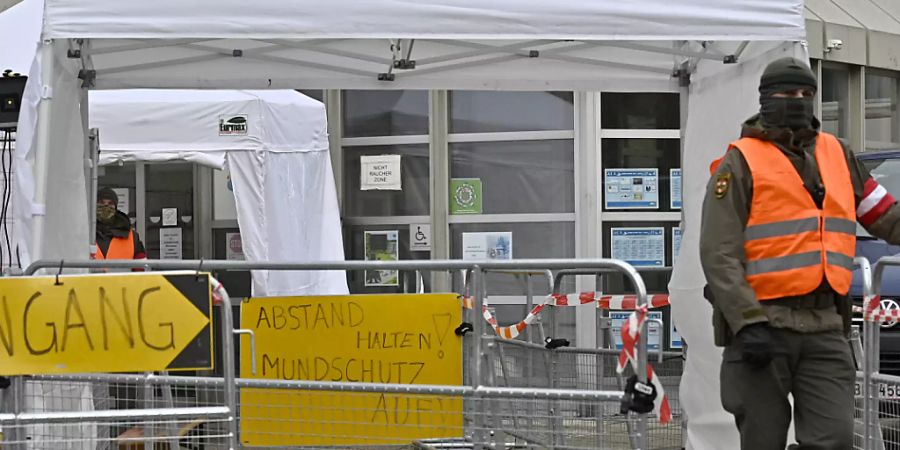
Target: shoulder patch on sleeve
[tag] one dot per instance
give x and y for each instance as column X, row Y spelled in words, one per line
column 723, row 181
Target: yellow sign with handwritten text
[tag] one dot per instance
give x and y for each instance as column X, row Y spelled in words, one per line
column 104, row 323
column 394, row 339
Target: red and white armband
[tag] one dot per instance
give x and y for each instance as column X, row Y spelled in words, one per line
column 875, row 203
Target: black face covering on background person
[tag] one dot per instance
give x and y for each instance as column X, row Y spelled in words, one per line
column 785, row 112
column 105, row 213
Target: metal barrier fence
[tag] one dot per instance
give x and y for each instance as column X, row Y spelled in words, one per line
column 878, row 404
column 562, row 398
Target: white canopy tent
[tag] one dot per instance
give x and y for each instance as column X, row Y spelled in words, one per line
column 280, row 167
column 387, row 44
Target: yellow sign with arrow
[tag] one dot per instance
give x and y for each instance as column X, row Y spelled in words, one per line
column 139, row 322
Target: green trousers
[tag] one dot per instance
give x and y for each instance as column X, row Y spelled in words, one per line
column 817, row 369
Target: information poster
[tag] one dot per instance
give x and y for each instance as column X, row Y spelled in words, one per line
column 654, row 336
column 169, row 217
column 644, row 247
column 631, row 188
column 493, row 245
column 170, row 243
column 381, row 172
column 382, row 246
column 465, row 196
column 124, row 202
column 675, row 188
column 234, row 248
column 676, row 243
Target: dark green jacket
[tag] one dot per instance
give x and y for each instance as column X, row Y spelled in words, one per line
column 722, row 241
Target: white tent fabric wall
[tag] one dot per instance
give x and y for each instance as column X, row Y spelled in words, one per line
column 711, row 127
column 65, row 210
column 64, row 201
column 281, row 169
column 286, row 220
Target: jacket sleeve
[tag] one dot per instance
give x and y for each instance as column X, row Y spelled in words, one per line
column 722, row 243
column 876, row 209
column 139, row 252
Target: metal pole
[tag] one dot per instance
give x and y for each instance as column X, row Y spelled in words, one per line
column 598, row 265
column 640, row 291
column 870, row 355
column 18, row 433
column 148, row 403
column 42, row 152
column 230, row 391
column 479, row 439
column 92, row 195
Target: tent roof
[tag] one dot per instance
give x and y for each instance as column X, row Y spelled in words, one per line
column 428, row 19
column 154, row 125
column 393, row 44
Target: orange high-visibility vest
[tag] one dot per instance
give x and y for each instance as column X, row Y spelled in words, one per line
column 119, row 248
column 790, row 243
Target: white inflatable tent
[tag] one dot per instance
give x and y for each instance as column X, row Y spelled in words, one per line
column 279, row 163
column 387, row 44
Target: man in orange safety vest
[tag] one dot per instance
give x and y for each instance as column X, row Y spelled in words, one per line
column 778, row 238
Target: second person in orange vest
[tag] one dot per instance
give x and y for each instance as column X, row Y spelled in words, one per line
column 777, row 243
column 116, row 238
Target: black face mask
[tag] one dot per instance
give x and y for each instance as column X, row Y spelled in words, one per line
column 784, row 112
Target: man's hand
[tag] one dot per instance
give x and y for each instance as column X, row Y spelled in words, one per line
column 757, row 344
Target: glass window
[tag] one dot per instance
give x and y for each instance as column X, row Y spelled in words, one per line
column 412, row 200
column 385, row 113
column 835, row 101
column 660, row 154
column 627, row 110
column 498, row 111
column 520, row 176
column 882, row 113
column 529, row 241
column 170, row 185
column 355, row 249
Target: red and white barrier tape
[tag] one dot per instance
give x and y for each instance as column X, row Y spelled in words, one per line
column 877, row 314
column 630, row 301
column 512, row 331
column 603, row 301
column 630, row 336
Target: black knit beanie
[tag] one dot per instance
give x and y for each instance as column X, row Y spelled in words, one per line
column 786, row 74
column 108, row 194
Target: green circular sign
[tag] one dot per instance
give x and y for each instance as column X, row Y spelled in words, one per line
column 465, row 195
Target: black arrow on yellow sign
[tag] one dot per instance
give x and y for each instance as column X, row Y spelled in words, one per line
column 105, row 323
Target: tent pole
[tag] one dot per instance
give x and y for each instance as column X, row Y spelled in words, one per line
column 42, row 150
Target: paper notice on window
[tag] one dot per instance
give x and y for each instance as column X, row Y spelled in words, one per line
column 654, row 336
column 124, row 200
column 676, row 243
column 380, row 172
column 234, row 248
column 382, row 246
column 169, row 217
column 639, row 246
column 631, row 188
column 170, row 243
column 482, row 246
column 675, row 188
